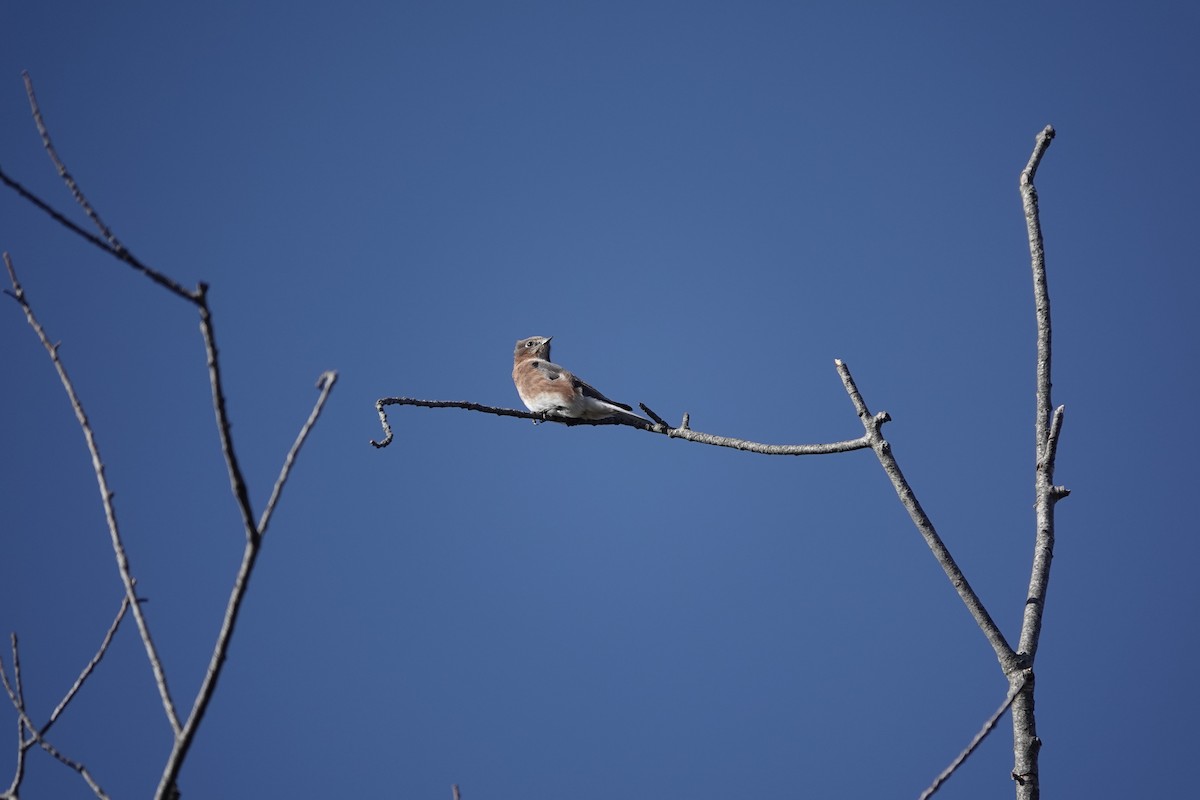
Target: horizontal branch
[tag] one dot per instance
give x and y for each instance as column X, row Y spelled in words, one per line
column 682, row 432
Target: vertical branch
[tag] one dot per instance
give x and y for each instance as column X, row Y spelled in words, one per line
column 23, row 744
column 1045, row 444
column 1041, row 293
column 237, row 482
column 106, row 498
column 1047, row 427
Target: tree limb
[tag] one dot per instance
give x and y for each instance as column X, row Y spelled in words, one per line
column 883, row 451
column 1047, row 427
column 89, row 668
column 682, row 432
column 241, row 583
column 18, row 700
column 1017, row 686
column 106, row 498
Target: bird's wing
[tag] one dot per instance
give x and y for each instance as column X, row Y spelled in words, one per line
column 590, row 391
column 549, row 371
column 553, row 372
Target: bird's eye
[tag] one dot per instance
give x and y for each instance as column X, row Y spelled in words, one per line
column 530, row 343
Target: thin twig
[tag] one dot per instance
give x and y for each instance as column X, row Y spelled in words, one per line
column 107, row 241
column 19, row 690
column 63, row 173
column 122, row 255
column 91, row 666
column 106, row 498
column 325, row 384
column 883, row 450
column 1014, row 689
column 241, row 583
column 19, row 704
column 23, row 744
column 682, row 432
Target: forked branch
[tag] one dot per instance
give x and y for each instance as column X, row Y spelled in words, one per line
column 183, row 731
column 16, row 696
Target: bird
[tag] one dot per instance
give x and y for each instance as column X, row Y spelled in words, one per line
column 545, row 387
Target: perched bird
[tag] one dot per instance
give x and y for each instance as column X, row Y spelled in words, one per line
column 546, row 387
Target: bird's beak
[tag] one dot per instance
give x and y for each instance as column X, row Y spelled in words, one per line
column 548, row 338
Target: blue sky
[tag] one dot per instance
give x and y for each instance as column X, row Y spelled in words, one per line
column 705, row 204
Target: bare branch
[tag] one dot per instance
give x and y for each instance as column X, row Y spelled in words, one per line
column 883, row 450
column 122, row 255
column 106, row 498
column 62, row 168
column 682, row 432
column 1014, row 689
column 237, row 481
column 1047, row 427
column 108, row 242
column 184, row 733
column 204, row 695
column 17, row 695
column 325, row 384
column 1041, row 294
column 24, row 744
column 91, row 666
column 18, row 702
